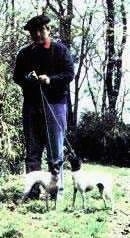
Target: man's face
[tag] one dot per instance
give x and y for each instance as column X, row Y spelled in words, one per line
column 40, row 34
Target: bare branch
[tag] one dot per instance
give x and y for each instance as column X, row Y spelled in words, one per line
column 35, row 6
column 61, row 7
column 125, row 93
column 124, row 24
column 53, row 9
column 92, row 95
column 2, row 5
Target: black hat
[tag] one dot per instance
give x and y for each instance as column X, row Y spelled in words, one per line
column 36, row 22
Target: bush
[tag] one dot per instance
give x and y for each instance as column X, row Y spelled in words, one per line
column 11, row 138
column 11, row 232
column 99, row 141
column 11, row 189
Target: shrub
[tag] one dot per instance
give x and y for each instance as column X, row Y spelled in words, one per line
column 98, row 140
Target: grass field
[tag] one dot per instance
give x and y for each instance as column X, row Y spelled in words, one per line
column 31, row 219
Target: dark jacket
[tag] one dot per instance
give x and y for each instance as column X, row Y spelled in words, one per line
column 55, row 62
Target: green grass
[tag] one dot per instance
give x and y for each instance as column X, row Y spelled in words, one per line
column 31, row 219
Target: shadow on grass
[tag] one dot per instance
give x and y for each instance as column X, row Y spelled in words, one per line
column 93, row 210
column 85, row 211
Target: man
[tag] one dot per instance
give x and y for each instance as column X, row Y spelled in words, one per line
column 44, row 70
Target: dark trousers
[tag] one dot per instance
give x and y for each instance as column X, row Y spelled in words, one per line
column 36, row 137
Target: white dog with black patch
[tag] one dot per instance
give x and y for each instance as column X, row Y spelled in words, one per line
column 48, row 180
column 84, row 181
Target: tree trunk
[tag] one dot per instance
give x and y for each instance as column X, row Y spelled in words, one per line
column 111, row 54
column 12, row 37
column 114, row 58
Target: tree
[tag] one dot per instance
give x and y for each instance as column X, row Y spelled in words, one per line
column 113, row 56
column 85, row 46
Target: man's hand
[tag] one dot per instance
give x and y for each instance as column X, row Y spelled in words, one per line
column 44, row 79
column 32, row 76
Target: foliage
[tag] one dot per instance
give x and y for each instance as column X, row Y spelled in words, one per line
column 98, row 139
column 11, row 232
column 11, row 147
column 34, row 207
column 10, row 189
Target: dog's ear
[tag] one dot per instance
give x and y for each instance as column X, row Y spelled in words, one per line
column 75, row 162
column 54, row 168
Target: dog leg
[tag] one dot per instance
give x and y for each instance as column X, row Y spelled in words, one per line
column 104, row 199
column 102, row 193
column 83, row 199
column 46, row 199
column 26, row 193
column 25, row 196
column 74, row 197
column 108, row 196
column 55, row 203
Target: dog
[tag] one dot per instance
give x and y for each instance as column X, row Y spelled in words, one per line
column 48, row 180
column 84, row 181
